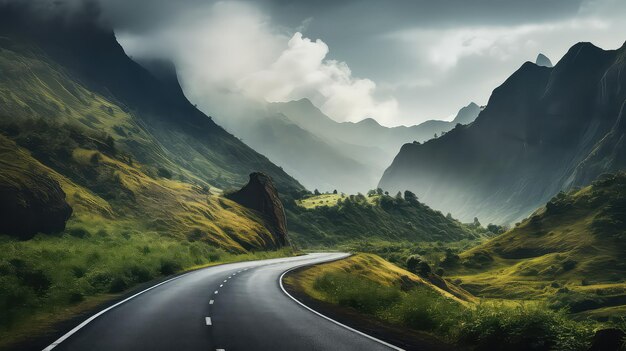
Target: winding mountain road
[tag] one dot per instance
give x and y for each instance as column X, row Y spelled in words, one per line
column 238, row 306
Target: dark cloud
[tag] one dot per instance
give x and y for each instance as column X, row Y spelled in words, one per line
column 430, row 56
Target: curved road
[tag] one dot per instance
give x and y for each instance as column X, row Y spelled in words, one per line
column 238, row 306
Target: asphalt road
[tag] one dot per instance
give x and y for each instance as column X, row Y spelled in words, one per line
column 238, row 306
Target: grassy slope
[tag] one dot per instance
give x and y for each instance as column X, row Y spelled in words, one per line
column 571, row 252
column 369, row 285
column 131, row 223
column 331, row 219
column 370, row 267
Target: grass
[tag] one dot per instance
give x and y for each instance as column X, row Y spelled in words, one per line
column 315, row 201
column 139, row 212
column 60, row 275
column 367, row 284
column 570, row 253
column 329, row 220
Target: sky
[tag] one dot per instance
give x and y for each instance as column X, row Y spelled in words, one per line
column 400, row 62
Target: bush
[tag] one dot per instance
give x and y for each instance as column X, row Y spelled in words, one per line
column 164, row 173
column 492, row 326
column 358, row 293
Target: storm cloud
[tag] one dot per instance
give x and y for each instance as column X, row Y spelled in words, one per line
column 400, row 62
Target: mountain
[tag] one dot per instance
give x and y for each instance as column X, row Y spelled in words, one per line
column 543, row 60
column 543, row 130
column 326, row 154
column 83, row 123
column 184, row 135
column 571, row 251
column 314, row 161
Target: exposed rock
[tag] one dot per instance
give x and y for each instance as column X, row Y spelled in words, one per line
column 31, row 203
column 261, row 195
column 543, row 60
column 610, row 339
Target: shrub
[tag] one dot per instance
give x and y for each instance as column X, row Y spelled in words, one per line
column 358, row 293
column 164, row 173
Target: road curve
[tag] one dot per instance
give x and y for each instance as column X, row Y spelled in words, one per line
column 238, row 306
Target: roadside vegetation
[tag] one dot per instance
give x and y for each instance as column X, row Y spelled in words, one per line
column 370, row 286
column 49, row 278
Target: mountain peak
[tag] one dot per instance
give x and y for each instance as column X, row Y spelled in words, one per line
column 467, row 114
column 369, row 122
column 543, row 60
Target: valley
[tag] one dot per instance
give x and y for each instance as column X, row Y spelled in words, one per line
column 132, row 219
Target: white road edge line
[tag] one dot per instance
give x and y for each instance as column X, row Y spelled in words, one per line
column 88, row 320
column 280, row 281
column 208, row 320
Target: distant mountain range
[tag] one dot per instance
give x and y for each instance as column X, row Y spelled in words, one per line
column 324, row 154
column 544, row 130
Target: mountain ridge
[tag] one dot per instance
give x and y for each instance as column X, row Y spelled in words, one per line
column 526, row 145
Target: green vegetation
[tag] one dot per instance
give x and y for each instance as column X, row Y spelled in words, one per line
column 332, row 219
column 370, row 286
column 42, row 277
column 140, row 200
column 571, row 253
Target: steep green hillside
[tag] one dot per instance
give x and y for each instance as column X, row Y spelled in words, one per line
column 151, row 119
column 89, row 137
column 544, row 130
column 327, row 220
column 572, row 252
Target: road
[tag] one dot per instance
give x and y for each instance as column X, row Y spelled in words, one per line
column 238, row 306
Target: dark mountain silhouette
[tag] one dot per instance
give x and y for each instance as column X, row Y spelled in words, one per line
column 543, row 130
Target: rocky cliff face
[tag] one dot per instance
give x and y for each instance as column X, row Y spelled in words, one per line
column 30, row 204
column 261, row 195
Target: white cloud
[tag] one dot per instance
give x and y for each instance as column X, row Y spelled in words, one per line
column 229, row 49
column 302, row 71
column 444, row 48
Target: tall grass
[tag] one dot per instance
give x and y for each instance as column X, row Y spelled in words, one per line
column 487, row 326
column 49, row 273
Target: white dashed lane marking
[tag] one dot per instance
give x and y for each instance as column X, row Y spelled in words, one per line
column 216, row 292
column 208, row 321
column 211, row 302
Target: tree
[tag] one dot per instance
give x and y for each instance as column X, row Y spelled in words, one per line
column 436, row 136
column 387, row 193
column 335, row 191
column 371, row 193
column 476, row 222
column 410, row 196
column 379, row 191
column 316, row 192
column 399, row 195
column 417, row 265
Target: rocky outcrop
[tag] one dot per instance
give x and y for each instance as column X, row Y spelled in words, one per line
column 261, row 195
column 543, row 60
column 31, row 203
